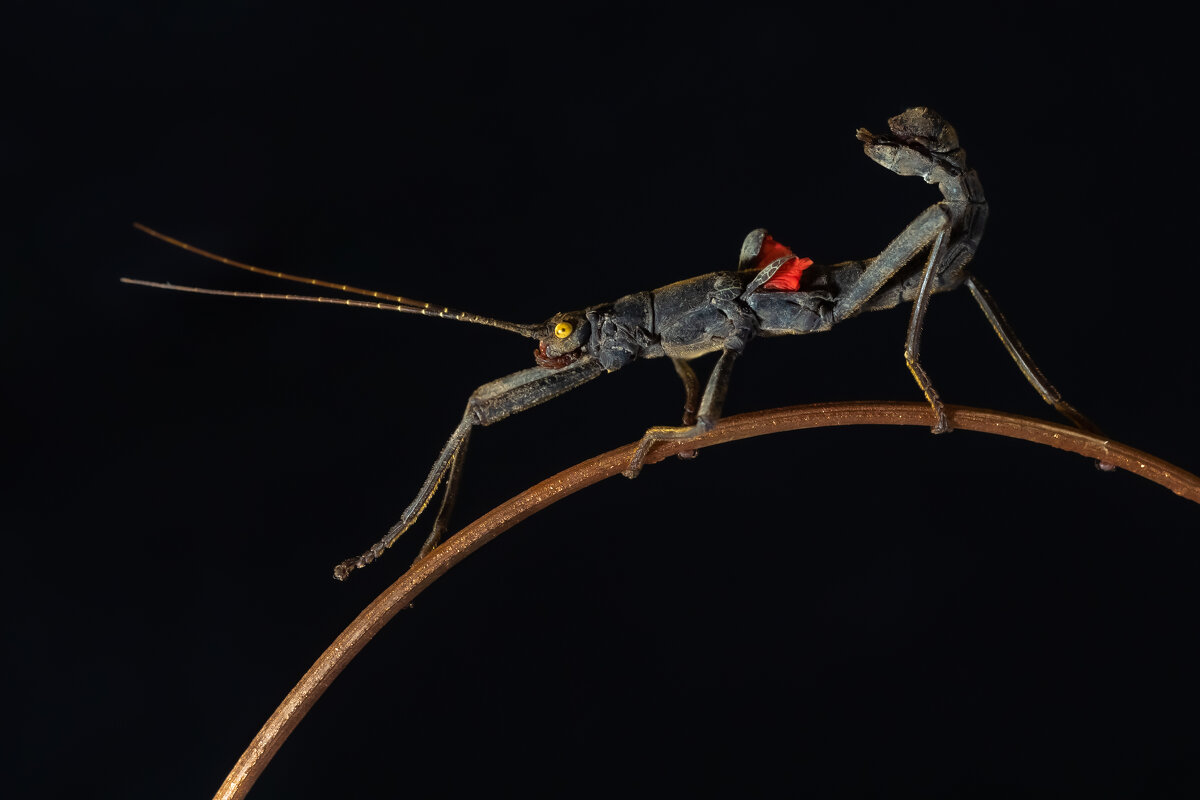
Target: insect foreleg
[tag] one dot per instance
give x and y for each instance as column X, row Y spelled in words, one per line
column 489, row 403
column 449, row 495
column 457, row 441
column 710, row 412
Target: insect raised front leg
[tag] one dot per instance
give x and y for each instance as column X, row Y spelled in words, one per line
column 489, row 403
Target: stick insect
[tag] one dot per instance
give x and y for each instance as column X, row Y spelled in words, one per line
column 772, row 292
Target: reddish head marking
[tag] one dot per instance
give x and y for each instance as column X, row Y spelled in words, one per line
column 548, row 361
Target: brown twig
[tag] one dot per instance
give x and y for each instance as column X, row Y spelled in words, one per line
column 318, row 678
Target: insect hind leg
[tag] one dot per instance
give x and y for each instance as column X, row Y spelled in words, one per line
column 912, row 344
column 1024, row 361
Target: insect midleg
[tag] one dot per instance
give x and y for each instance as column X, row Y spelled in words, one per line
column 710, row 412
column 691, row 402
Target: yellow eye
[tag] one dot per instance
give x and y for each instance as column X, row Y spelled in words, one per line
column 563, row 329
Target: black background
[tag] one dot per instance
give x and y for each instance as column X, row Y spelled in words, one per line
column 828, row 613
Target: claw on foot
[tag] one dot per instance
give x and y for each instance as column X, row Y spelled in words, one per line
column 639, row 457
column 942, row 423
column 635, row 464
column 343, row 570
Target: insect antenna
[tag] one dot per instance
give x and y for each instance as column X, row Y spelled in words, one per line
column 391, row 302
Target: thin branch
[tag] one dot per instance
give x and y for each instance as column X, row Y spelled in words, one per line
column 347, row 645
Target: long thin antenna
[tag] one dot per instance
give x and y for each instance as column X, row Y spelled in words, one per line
column 308, row 298
column 399, row 303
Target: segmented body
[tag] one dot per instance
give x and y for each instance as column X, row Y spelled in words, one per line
column 715, row 312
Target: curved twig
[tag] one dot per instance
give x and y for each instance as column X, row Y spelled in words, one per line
column 347, row 645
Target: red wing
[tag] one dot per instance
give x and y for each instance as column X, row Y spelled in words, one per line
column 787, row 277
